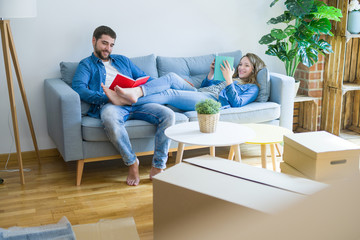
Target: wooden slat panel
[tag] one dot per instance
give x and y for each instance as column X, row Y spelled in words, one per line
column 347, row 111
column 354, row 58
column 301, row 114
column 358, row 64
column 333, row 78
column 330, row 110
column 329, row 65
column 341, row 41
column 356, row 106
column 334, row 64
column 307, row 115
column 337, row 112
column 315, row 117
column 324, row 107
column 341, row 26
column 347, row 61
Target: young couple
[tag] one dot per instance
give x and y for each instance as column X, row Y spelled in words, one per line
column 239, row 88
column 96, row 72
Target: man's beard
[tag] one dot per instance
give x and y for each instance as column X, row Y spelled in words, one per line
column 100, row 55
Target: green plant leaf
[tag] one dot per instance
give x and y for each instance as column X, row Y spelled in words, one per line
column 325, row 47
column 307, row 53
column 322, row 25
column 290, row 30
column 266, row 39
column 278, row 34
column 280, row 50
column 304, row 32
column 328, row 12
column 299, row 8
column 273, row 3
column 286, row 17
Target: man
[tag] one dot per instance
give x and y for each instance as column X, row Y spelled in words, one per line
column 99, row 70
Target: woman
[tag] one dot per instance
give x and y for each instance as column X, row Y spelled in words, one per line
column 237, row 92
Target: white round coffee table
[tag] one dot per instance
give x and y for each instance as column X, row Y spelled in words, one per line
column 227, row 134
column 266, row 134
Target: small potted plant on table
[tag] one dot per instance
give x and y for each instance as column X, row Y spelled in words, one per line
column 208, row 115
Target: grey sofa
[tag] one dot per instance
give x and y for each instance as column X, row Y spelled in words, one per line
column 81, row 138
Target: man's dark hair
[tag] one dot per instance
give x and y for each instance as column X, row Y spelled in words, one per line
column 99, row 31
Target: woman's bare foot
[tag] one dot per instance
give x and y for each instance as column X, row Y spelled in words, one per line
column 154, row 171
column 131, row 94
column 133, row 178
column 115, row 98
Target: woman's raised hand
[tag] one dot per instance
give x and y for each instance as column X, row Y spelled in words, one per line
column 227, row 71
column 212, row 68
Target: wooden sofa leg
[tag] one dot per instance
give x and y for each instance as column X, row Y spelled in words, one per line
column 79, row 172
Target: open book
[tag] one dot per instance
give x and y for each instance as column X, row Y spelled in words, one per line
column 127, row 82
column 219, row 60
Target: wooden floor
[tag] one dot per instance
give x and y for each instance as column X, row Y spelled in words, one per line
column 50, row 191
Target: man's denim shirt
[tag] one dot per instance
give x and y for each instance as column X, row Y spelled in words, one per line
column 91, row 73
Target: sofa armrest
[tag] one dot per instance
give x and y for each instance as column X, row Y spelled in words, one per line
column 282, row 92
column 63, row 113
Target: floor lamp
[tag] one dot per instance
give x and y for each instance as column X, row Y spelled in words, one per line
column 16, row 9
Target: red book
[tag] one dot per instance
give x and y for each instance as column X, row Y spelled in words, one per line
column 127, row 82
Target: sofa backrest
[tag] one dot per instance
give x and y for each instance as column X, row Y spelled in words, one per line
column 145, row 63
column 193, row 69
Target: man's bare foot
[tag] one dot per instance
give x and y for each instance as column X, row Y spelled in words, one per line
column 133, row 178
column 154, row 171
column 131, row 94
column 115, row 98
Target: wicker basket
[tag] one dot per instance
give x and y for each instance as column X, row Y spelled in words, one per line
column 208, row 122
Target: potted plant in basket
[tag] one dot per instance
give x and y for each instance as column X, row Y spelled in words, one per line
column 299, row 40
column 208, row 115
column 353, row 25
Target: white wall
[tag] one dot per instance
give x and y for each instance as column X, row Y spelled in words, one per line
column 63, row 29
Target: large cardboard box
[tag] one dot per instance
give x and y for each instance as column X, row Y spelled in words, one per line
column 213, row 198
column 107, row 229
column 321, row 156
column 286, row 168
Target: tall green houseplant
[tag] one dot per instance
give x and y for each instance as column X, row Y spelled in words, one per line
column 299, row 41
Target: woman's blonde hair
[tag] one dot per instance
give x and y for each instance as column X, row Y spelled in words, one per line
column 257, row 65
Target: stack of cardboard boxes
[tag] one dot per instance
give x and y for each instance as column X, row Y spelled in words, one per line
column 320, row 156
column 212, row 198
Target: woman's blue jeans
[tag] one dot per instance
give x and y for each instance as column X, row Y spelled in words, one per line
column 172, row 90
column 114, row 117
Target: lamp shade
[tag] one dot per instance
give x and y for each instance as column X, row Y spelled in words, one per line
column 17, row 8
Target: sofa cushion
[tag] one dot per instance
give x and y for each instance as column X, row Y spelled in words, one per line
column 67, row 70
column 147, row 64
column 193, row 69
column 263, row 78
column 254, row 112
column 93, row 129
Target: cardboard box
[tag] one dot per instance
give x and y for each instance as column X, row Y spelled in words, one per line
column 212, row 198
column 321, row 156
column 287, row 169
column 121, row 228
column 331, row 214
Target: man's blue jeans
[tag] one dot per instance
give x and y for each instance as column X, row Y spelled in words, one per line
column 114, row 117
